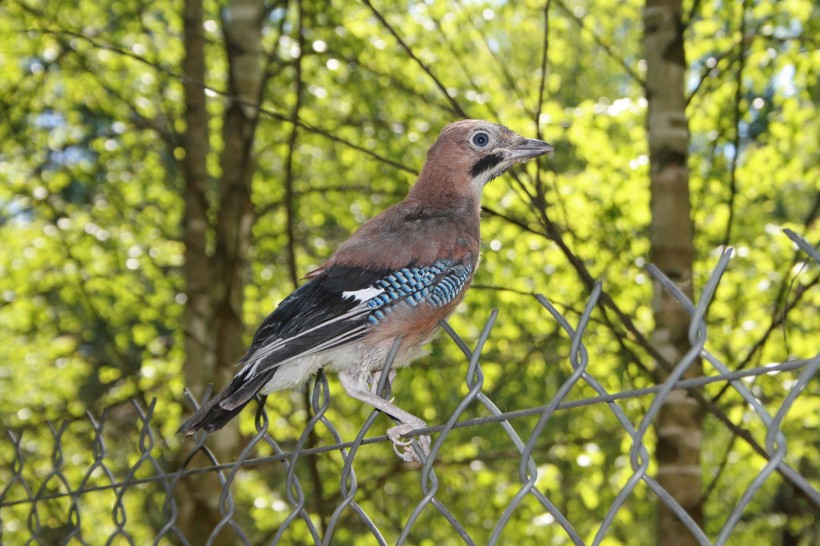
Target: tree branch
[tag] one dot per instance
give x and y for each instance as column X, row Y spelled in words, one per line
column 453, row 103
column 741, row 58
column 609, row 50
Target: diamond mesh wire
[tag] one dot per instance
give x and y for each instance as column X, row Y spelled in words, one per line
column 43, row 502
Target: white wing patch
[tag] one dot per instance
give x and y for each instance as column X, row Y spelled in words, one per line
column 365, row 294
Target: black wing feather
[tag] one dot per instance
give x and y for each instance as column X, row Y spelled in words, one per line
column 311, row 305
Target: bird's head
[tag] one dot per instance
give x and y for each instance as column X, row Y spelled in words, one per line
column 470, row 153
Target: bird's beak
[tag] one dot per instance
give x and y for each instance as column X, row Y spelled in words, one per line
column 527, row 148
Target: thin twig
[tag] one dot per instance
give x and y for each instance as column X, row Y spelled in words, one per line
column 453, row 103
column 737, row 119
column 609, row 50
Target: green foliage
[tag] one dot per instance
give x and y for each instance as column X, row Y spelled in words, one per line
column 91, row 293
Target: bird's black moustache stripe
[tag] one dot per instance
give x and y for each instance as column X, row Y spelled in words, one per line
column 485, row 164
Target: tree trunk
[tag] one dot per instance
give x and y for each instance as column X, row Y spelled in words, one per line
column 199, row 355
column 679, row 424
column 242, row 28
column 215, row 281
column 198, row 505
column 241, row 23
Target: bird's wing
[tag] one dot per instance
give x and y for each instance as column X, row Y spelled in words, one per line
column 339, row 306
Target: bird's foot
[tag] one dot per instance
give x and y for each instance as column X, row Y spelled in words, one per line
column 404, row 447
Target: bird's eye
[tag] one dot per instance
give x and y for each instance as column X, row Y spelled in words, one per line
column 481, row 139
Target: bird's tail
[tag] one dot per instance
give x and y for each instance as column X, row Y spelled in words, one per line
column 216, row 412
column 209, row 417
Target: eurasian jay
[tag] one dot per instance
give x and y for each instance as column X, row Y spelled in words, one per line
column 395, row 278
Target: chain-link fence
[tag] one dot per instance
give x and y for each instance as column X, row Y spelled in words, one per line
column 270, row 494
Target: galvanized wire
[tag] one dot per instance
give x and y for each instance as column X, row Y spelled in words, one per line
column 33, row 492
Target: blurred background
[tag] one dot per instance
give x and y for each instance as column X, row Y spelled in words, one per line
column 170, row 170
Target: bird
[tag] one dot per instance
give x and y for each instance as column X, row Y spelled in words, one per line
column 395, row 278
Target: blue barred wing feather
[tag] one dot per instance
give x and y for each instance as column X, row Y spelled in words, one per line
column 437, row 284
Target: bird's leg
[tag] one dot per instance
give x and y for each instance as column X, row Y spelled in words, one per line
column 377, row 376
column 355, row 385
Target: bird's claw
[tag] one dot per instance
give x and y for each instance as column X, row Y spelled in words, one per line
column 404, row 447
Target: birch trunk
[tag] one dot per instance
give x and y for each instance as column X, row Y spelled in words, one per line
column 679, row 424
